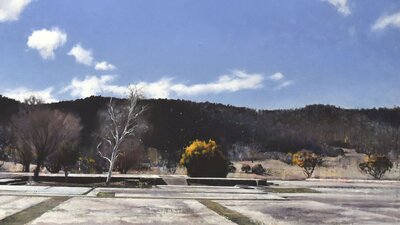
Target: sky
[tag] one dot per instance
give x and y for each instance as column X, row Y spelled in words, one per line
column 263, row 54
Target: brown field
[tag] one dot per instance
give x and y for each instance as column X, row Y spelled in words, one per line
column 333, row 167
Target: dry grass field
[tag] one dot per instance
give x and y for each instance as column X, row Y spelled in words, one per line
column 345, row 167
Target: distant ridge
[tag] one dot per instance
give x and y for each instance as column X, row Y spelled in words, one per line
column 172, row 124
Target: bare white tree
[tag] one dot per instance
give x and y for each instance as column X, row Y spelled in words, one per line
column 119, row 124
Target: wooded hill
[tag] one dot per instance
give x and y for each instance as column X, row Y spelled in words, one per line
column 173, row 124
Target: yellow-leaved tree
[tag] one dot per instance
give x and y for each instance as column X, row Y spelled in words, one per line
column 375, row 165
column 204, row 159
column 307, row 160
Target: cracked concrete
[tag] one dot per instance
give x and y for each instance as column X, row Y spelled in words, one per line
column 340, row 202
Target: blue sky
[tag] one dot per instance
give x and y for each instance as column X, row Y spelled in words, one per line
column 261, row 54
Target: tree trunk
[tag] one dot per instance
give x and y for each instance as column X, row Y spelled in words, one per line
column 109, row 172
column 26, row 166
column 66, row 174
column 65, row 171
column 36, row 172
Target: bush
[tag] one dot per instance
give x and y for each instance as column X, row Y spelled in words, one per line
column 307, row 161
column 333, row 152
column 246, row 168
column 53, row 167
column 64, row 158
column 204, row 159
column 375, row 165
column 258, row 169
column 90, row 162
column 132, row 155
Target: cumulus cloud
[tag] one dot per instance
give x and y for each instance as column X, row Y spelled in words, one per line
column 47, row 41
column 341, row 6
column 276, row 76
column 85, row 56
column 103, row 65
column 22, row 93
column 10, row 10
column 387, row 21
column 81, row 55
column 165, row 87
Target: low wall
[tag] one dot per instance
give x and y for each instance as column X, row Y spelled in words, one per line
column 149, row 179
column 225, row 181
column 90, row 178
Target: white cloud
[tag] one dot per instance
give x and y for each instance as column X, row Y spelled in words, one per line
column 103, row 65
column 22, row 93
column 387, row 21
column 84, row 56
column 283, row 85
column 10, row 10
column 81, row 55
column 158, row 89
column 46, row 41
column 237, row 80
column 276, row 76
column 280, row 81
column 341, row 6
column 164, row 88
column 93, row 85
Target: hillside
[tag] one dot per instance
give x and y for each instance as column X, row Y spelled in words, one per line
column 172, row 124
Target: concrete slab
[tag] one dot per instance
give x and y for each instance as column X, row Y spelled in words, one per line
column 130, row 211
column 339, row 203
column 10, row 205
column 175, row 180
column 4, row 181
column 209, row 189
column 338, row 196
column 362, row 191
column 305, row 212
column 42, row 190
column 209, row 196
column 187, row 192
column 180, row 189
column 337, row 183
column 383, row 204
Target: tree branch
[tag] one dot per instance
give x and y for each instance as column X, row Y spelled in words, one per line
column 101, row 154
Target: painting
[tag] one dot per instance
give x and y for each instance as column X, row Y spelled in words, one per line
column 176, row 112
